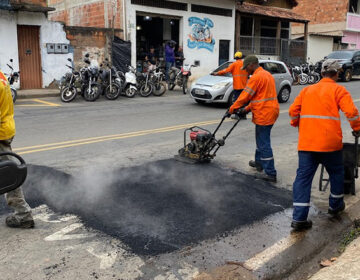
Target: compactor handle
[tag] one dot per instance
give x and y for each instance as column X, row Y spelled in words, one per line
column 19, row 158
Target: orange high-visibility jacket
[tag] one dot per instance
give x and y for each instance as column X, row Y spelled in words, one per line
column 7, row 123
column 239, row 76
column 316, row 112
column 260, row 90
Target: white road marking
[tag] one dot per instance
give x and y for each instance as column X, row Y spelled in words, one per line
column 263, row 257
column 62, row 234
column 187, row 272
column 107, row 259
column 43, row 213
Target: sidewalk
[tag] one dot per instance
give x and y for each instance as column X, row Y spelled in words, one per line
column 37, row 93
column 346, row 267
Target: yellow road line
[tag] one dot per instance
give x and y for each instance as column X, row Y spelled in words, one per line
column 46, row 103
column 85, row 141
column 31, row 105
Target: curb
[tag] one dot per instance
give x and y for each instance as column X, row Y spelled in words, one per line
column 37, row 95
column 308, row 245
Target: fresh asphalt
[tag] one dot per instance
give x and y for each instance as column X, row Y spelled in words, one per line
column 112, row 149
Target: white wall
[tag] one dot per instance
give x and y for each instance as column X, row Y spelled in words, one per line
column 318, row 47
column 53, row 65
column 224, row 29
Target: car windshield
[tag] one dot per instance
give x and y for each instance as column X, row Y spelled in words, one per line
column 340, row 55
column 224, row 66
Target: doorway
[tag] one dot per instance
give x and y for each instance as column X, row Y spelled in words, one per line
column 154, row 31
column 29, row 56
column 224, row 51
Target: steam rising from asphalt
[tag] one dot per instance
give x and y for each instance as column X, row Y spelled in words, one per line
column 158, row 206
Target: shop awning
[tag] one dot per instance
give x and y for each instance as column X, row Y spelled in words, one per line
column 273, row 12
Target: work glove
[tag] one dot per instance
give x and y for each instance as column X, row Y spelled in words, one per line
column 241, row 112
column 227, row 114
column 356, row 133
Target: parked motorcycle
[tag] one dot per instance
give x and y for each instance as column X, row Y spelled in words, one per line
column 129, row 86
column 158, row 78
column 13, row 77
column 180, row 77
column 70, row 83
column 111, row 82
column 144, row 84
column 90, row 87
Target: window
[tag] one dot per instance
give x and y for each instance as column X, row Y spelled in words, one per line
column 246, row 26
column 224, row 66
column 274, row 68
column 211, row 10
column 354, row 6
column 161, row 4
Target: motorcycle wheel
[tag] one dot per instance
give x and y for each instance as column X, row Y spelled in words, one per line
column 311, row 79
column 113, row 93
column 159, row 89
column 185, row 85
column 92, row 94
column 68, row 94
column 317, row 78
column 130, row 92
column 146, row 90
column 303, row 79
column 13, row 94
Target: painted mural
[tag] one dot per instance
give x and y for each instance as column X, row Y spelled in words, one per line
column 200, row 36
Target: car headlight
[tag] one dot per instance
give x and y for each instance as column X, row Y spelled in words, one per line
column 220, row 85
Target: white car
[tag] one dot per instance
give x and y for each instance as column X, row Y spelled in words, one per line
column 219, row 89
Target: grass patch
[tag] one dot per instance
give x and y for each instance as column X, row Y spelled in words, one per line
column 350, row 236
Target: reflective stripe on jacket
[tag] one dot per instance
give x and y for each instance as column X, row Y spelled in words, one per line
column 260, row 90
column 239, row 76
column 316, row 112
column 7, row 123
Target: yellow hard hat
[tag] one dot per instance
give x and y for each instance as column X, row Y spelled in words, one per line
column 238, row 55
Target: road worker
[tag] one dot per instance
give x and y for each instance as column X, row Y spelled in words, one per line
column 22, row 218
column 260, row 91
column 240, row 77
column 316, row 112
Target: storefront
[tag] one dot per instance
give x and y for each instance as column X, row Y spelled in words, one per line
column 205, row 30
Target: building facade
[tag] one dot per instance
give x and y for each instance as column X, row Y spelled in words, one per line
column 38, row 47
column 264, row 28
column 334, row 25
column 205, row 30
column 90, row 25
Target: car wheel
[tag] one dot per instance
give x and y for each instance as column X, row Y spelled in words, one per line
column 284, row 94
column 347, row 75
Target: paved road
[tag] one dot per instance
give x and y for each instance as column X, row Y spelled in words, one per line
column 87, row 140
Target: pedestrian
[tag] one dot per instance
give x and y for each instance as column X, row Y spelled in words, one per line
column 316, row 112
column 151, row 57
column 260, row 92
column 22, row 218
column 240, row 76
column 169, row 58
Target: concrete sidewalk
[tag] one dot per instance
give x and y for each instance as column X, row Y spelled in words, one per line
column 37, row 93
column 346, row 267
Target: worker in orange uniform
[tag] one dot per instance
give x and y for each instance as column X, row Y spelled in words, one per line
column 240, row 77
column 316, row 112
column 260, row 91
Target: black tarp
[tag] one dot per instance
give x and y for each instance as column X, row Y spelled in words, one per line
column 121, row 54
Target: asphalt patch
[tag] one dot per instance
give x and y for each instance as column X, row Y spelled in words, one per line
column 157, row 207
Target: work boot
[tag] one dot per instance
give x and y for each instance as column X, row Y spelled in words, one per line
column 266, row 177
column 336, row 211
column 300, row 226
column 13, row 222
column 254, row 164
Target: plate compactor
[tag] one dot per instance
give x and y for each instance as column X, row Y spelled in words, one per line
column 203, row 145
column 12, row 174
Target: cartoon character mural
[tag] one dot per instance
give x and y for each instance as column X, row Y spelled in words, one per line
column 200, row 36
